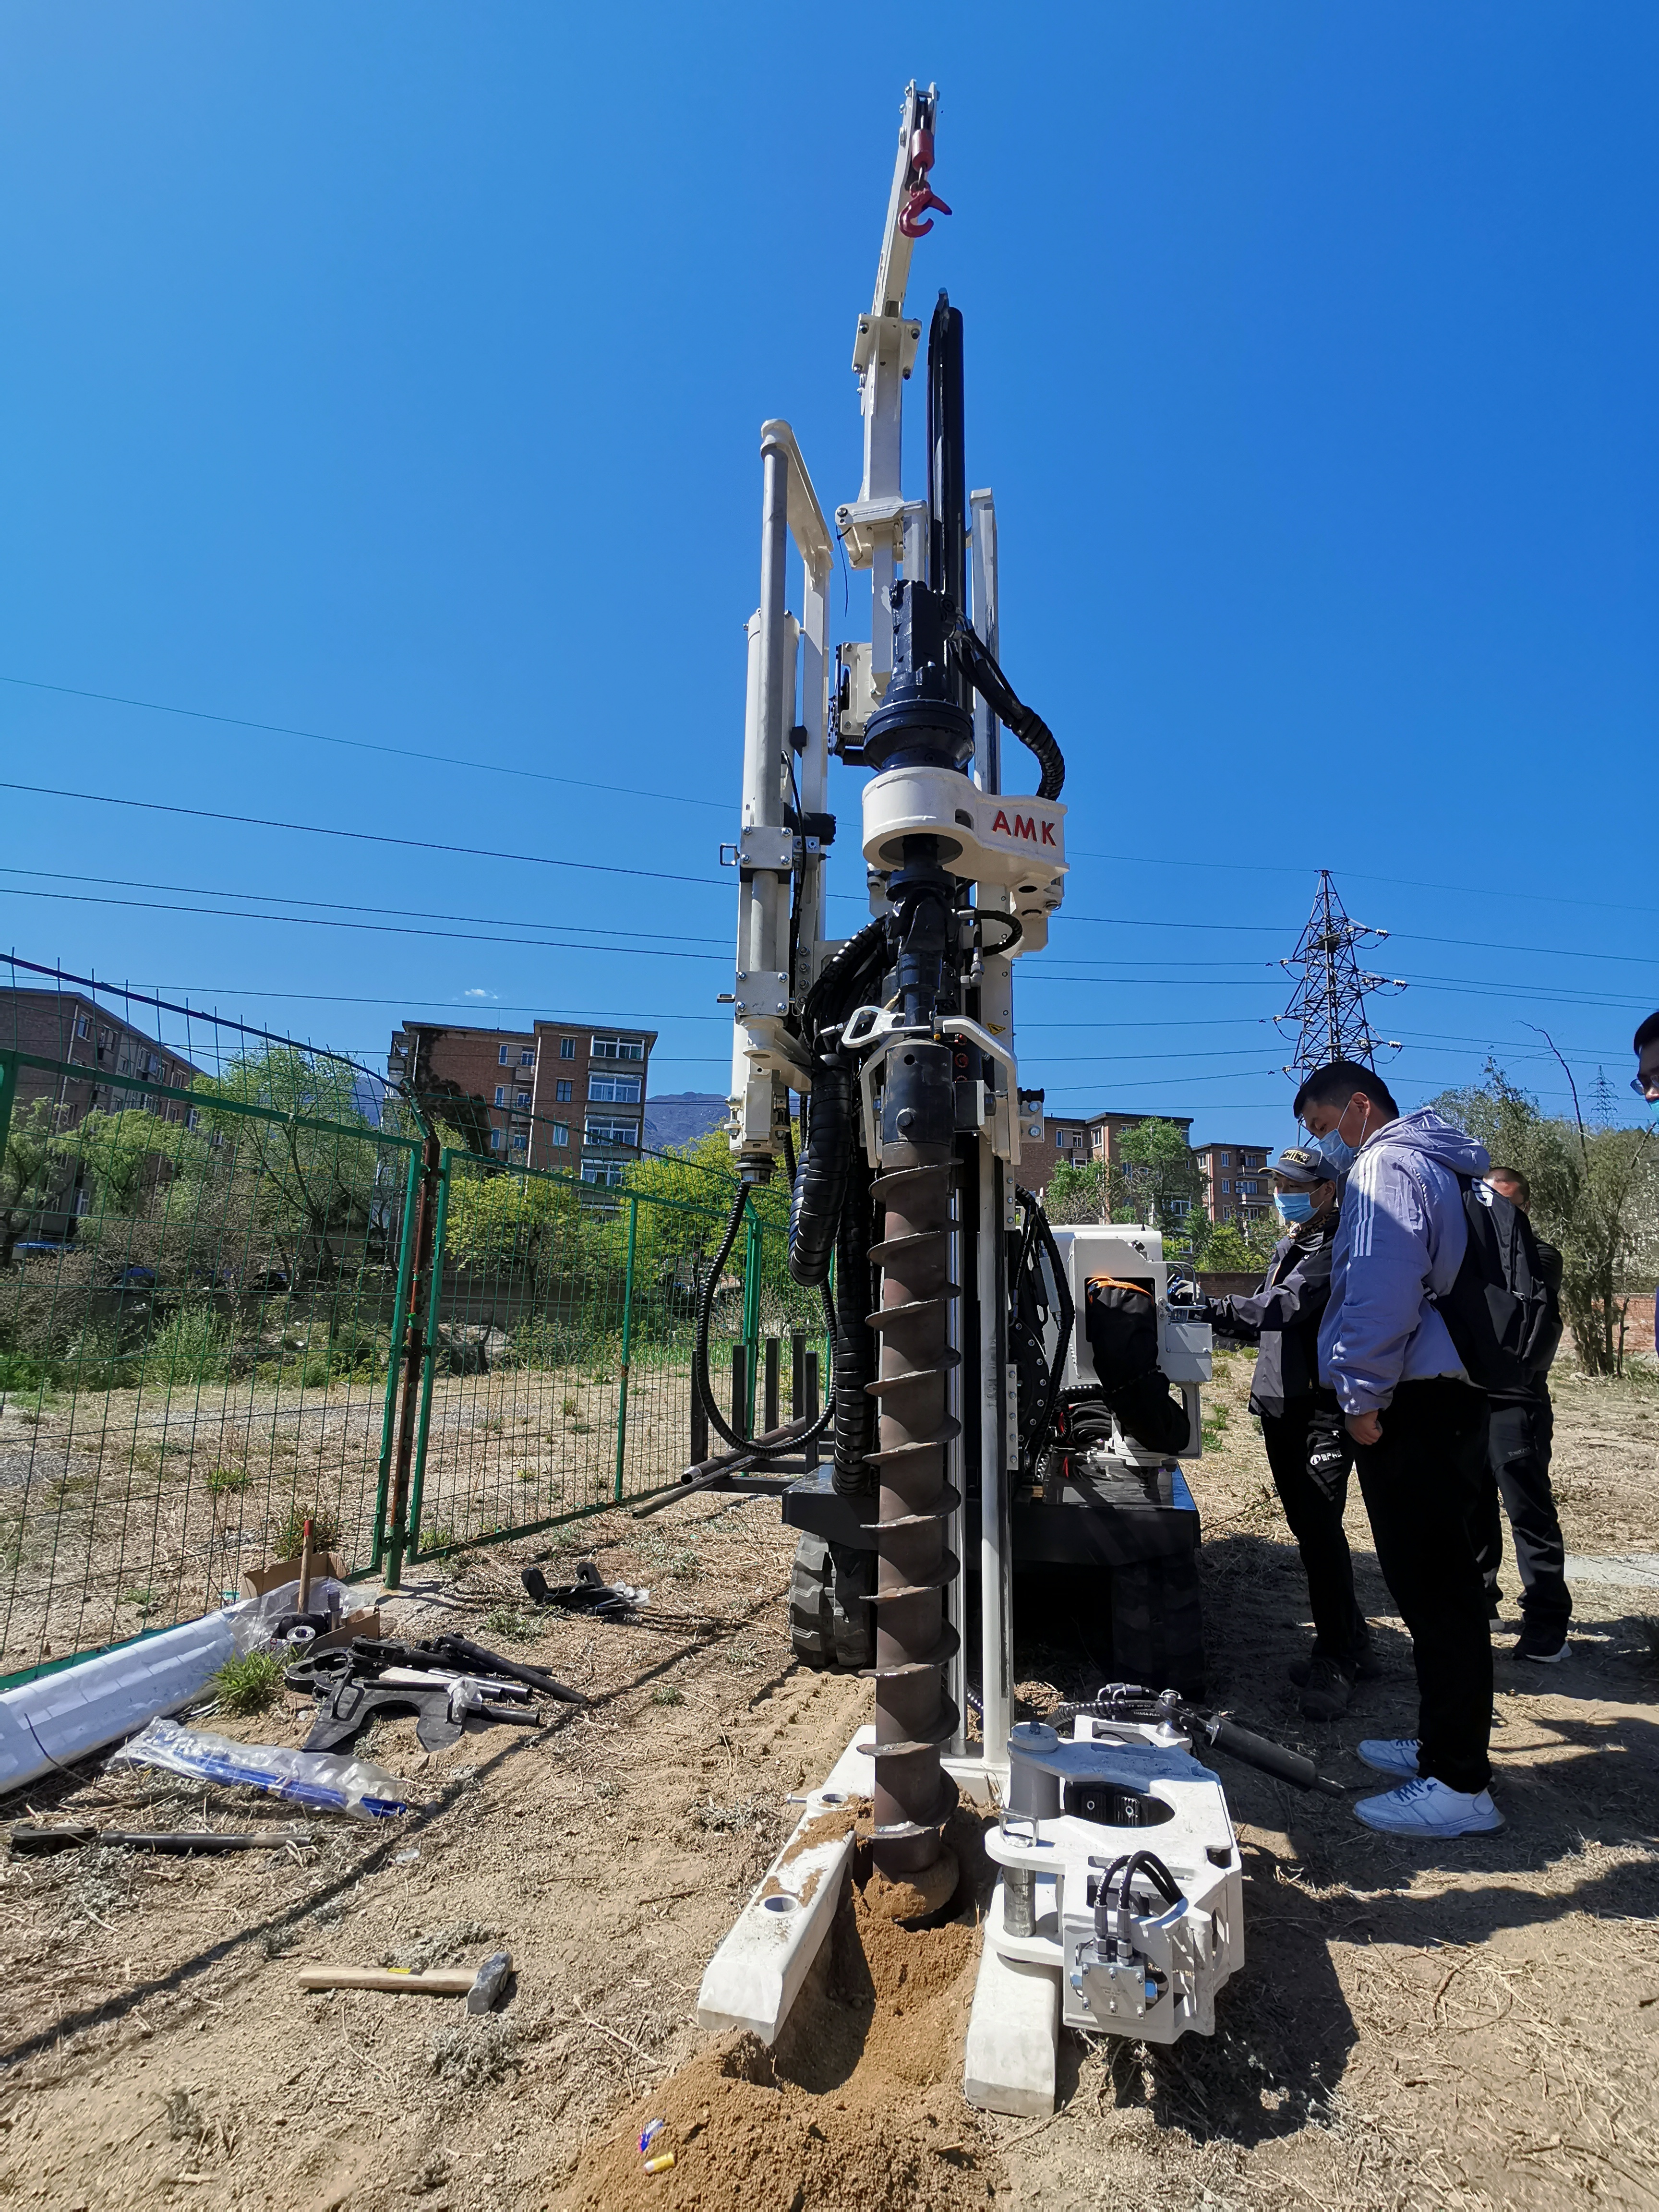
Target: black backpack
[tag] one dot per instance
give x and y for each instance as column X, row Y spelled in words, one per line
column 1120, row 1322
column 1499, row 1312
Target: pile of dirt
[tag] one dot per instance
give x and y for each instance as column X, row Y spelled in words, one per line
column 859, row 2103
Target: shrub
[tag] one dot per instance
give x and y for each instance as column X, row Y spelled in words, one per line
column 247, row 1683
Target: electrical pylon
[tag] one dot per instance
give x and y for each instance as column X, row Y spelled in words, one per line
column 1328, row 1007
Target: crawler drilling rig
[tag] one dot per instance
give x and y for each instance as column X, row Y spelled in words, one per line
column 1004, row 1393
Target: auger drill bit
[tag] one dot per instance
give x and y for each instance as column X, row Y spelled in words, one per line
column 914, row 1715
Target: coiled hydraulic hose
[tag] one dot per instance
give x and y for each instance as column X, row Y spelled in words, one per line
column 700, row 1384
column 855, row 1346
column 819, row 1183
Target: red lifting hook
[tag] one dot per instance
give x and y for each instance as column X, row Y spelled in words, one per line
column 921, row 195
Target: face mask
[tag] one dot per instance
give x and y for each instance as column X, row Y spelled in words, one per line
column 1341, row 1156
column 1294, row 1205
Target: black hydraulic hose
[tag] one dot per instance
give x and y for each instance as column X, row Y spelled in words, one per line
column 855, row 1344
column 841, row 969
column 1122, row 1872
column 700, row 1384
column 818, row 1189
column 1038, row 1219
column 1027, row 725
column 1257, row 1751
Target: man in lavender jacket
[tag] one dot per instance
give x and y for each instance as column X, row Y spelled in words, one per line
column 1418, row 1427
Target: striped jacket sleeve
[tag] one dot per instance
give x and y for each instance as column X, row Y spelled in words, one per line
column 1385, row 1241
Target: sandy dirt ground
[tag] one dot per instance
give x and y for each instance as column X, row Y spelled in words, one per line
column 1474, row 2024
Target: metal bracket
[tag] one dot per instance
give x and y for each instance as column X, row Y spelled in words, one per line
column 760, row 847
column 761, row 991
column 874, row 1029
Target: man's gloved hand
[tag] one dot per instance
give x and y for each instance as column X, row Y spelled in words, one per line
column 1330, row 1455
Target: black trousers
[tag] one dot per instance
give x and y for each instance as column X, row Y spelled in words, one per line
column 1316, row 1523
column 1422, row 1486
column 1518, row 1472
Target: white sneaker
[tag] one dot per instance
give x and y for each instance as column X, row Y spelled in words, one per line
column 1386, row 1754
column 1428, row 1807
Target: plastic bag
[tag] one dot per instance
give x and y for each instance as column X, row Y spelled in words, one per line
column 323, row 1779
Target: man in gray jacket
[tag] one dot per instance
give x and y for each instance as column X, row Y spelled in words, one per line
column 1419, row 1426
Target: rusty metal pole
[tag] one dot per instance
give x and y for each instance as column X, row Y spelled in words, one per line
column 414, row 1355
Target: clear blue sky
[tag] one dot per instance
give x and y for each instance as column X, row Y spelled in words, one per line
column 395, row 374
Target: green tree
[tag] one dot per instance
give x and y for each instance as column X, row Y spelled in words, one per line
column 516, row 1223
column 1594, row 1194
column 121, row 1156
column 1161, row 1182
column 319, row 1184
column 25, row 1173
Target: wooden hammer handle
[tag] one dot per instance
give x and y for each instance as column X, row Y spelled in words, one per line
column 447, row 1982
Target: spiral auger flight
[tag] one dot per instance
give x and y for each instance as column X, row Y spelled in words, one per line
column 915, row 1716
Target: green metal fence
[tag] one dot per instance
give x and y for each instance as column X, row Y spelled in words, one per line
column 221, row 1311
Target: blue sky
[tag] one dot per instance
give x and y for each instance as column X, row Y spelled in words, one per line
column 395, row 375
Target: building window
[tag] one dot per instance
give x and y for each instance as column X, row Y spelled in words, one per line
column 561, row 1091
column 500, row 1057
column 1180, row 1207
column 1249, row 1189
column 521, row 1099
column 619, row 1047
column 567, row 1048
column 495, row 1140
column 1226, row 1161
column 500, row 1094
column 616, row 1090
column 562, row 1133
column 400, row 1044
column 519, row 1140
column 599, row 1131
column 603, row 1171
column 83, row 1026
column 527, row 1057
column 1227, row 1188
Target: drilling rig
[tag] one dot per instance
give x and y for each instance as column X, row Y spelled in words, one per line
column 1004, row 1393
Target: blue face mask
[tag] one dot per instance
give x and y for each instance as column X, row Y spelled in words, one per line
column 1294, row 1205
column 1341, row 1156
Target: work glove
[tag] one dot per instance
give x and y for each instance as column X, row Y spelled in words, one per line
column 1330, row 1453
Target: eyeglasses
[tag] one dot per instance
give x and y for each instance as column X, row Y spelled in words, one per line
column 1645, row 1086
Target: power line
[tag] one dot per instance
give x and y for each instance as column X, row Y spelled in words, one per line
column 363, row 745
column 336, row 906
column 376, row 928
column 361, row 837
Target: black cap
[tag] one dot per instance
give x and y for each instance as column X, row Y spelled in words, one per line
column 1302, row 1165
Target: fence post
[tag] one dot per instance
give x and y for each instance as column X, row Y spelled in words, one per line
column 415, row 1352
column 7, row 1092
column 769, row 1397
column 740, row 1380
column 400, row 1310
column 751, row 1284
column 810, row 1407
column 627, row 1341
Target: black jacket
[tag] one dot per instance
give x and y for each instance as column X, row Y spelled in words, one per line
column 1549, row 1262
column 1282, row 1319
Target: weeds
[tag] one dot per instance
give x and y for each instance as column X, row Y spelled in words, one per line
column 288, row 1540
column 247, row 1683
column 508, row 1625
column 221, row 1481
column 437, row 1536
column 667, row 1695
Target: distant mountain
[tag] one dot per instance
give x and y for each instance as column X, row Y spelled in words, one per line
column 681, row 1118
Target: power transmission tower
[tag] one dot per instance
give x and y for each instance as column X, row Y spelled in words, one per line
column 1328, row 1007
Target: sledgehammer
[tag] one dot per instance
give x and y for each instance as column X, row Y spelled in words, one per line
column 480, row 1988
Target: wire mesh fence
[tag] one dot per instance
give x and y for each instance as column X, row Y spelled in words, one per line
column 234, row 1301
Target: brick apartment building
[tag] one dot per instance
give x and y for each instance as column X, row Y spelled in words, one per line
column 561, row 1094
column 1236, row 1187
column 1076, row 1140
column 64, row 1026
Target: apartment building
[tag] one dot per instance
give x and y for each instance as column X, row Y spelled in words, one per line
column 1076, row 1139
column 561, row 1094
column 1237, row 1186
column 64, row 1026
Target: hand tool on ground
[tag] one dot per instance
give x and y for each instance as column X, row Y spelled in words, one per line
column 589, row 1593
column 351, row 1687
column 481, row 1986
column 302, row 1617
column 174, row 1843
column 478, row 1659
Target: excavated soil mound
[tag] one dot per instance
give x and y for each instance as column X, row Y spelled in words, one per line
column 860, row 2103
